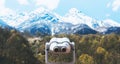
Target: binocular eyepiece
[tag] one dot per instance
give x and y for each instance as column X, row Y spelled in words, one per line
column 59, row 46
column 56, row 49
column 60, row 49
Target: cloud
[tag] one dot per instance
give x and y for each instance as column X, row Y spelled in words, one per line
column 2, row 2
column 50, row 4
column 115, row 5
column 4, row 10
column 23, row 2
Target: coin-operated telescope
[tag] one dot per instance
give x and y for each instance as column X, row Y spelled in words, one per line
column 59, row 46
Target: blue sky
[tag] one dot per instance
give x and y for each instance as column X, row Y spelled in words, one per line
column 98, row 9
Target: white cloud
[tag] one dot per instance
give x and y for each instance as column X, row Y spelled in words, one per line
column 6, row 11
column 2, row 2
column 3, row 9
column 116, row 5
column 23, row 2
column 50, row 4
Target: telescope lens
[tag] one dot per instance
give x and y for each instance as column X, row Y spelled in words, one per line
column 63, row 49
column 56, row 49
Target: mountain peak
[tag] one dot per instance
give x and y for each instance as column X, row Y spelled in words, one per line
column 74, row 11
column 40, row 10
column 75, row 16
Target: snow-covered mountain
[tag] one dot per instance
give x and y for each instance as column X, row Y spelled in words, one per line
column 15, row 19
column 82, row 29
column 75, row 16
column 38, row 21
column 112, row 30
column 3, row 24
column 45, row 22
column 68, row 28
column 61, row 28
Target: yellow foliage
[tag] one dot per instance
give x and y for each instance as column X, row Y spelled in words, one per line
column 12, row 31
column 86, row 59
column 106, row 55
column 101, row 50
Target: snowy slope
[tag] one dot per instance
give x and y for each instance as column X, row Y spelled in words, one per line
column 46, row 22
column 14, row 20
column 82, row 29
column 3, row 24
column 39, row 20
column 74, row 16
column 51, row 22
column 68, row 28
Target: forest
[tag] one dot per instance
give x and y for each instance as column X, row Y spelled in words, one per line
column 90, row 49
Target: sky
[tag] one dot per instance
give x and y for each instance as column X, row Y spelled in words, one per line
column 98, row 9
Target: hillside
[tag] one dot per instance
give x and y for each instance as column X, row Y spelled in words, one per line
column 90, row 49
column 14, row 49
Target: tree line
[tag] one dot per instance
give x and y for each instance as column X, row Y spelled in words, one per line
column 90, row 49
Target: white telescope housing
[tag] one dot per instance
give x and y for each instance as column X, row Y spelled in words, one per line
column 59, row 46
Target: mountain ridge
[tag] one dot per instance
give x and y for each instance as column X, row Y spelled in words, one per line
column 45, row 21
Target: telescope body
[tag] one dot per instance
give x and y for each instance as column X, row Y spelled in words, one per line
column 59, row 46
